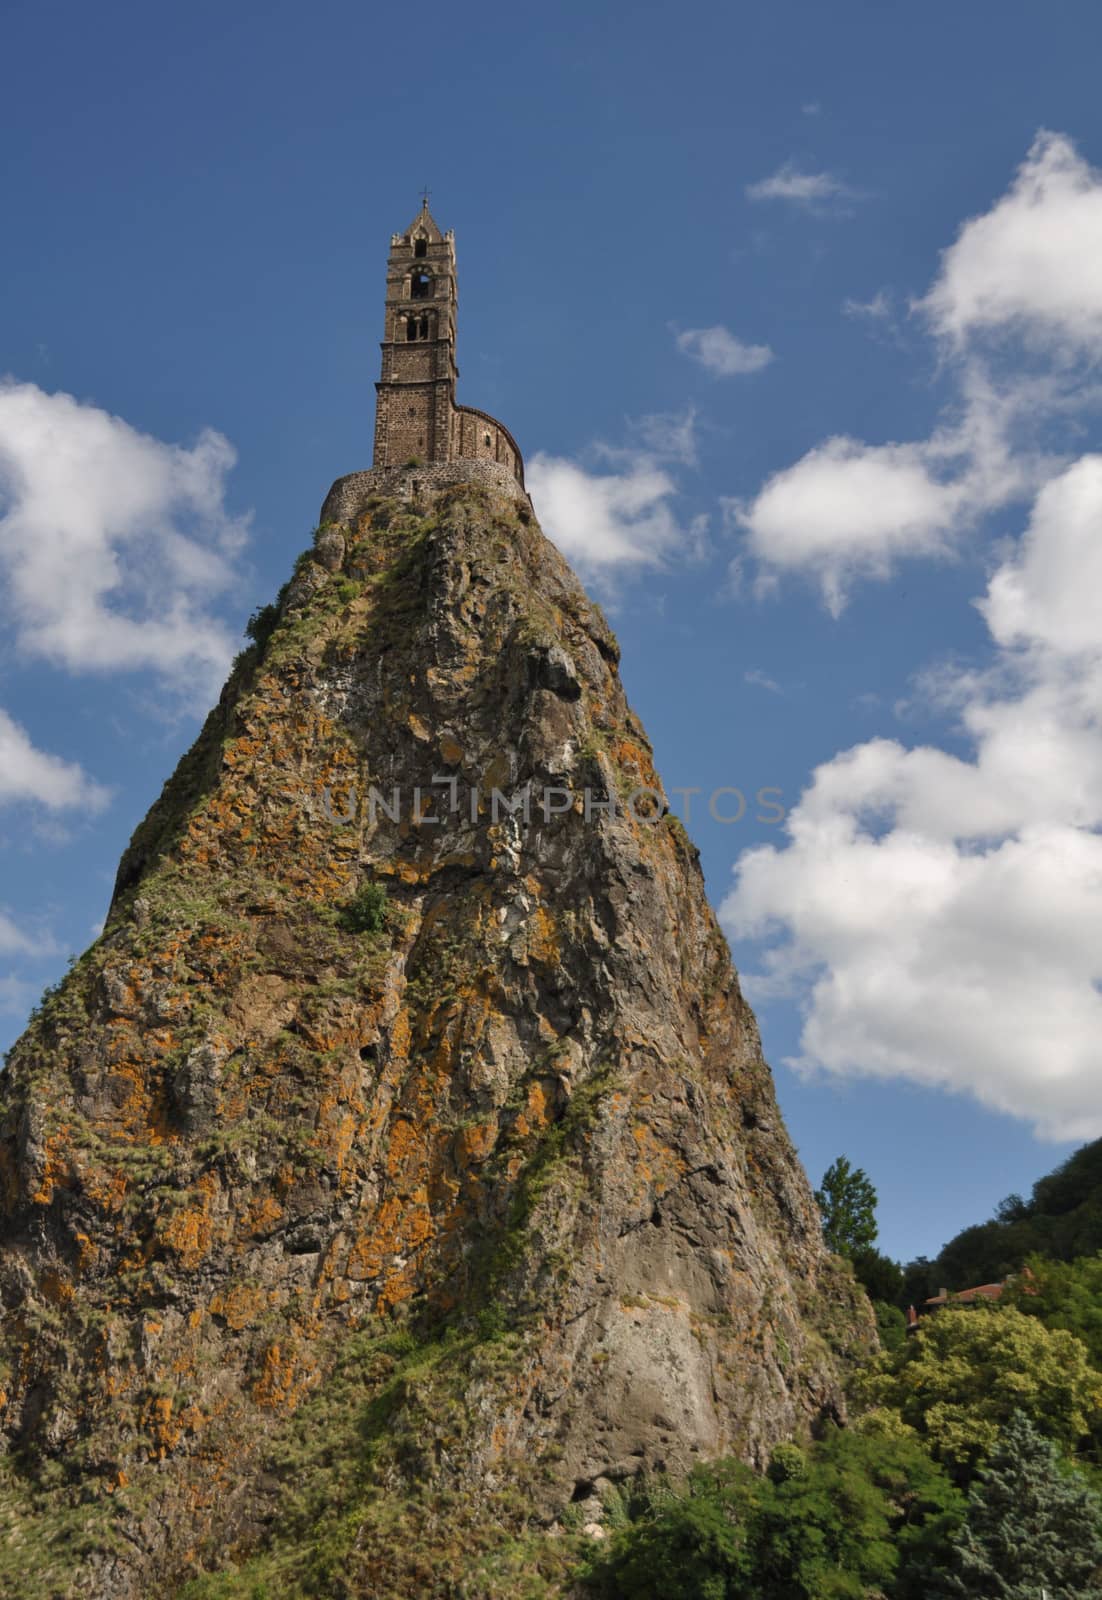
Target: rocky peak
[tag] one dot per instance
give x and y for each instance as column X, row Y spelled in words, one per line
column 400, row 1166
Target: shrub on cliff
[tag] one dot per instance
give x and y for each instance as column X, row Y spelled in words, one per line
column 366, row 911
column 850, row 1515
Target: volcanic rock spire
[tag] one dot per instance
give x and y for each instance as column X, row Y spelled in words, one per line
column 400, row 1167
column 402, row 1156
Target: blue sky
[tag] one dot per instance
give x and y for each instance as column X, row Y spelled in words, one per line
column 796, row 313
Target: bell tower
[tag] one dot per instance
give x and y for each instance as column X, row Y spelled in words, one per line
column 417, row 420
column 413, row 415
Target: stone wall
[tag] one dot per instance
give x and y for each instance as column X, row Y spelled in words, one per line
column 348, row 495
column 479, row 437
column 412, row 419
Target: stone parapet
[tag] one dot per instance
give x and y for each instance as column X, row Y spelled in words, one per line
column 348, row 494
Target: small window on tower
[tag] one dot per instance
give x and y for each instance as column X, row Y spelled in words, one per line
column 486, row 439
column 421, row 247
column 411, row 327
column 421, row 286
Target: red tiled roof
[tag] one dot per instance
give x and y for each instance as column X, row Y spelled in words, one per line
column 988, row 1291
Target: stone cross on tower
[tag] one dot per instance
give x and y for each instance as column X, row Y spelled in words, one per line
column 417, row 420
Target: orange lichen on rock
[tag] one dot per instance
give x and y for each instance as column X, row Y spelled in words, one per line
column 474, row 1141
column 286, row 1375
column 240, row 1305
column 535, row 1115
column 162, row 1426
column 189, row 1230
column 56, row 1167
column 260, row 1216
column 657, row 1167
column 55, row 1289
column 543, row 942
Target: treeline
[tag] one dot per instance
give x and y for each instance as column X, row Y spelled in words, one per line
column 1061, row 1221
column 1060, row 1224
column 972, row 1465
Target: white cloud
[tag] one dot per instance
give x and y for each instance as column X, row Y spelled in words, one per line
column 1049, row 596
column 15, row 995
column 719, row 352
column 761, row 680
column 29, row 774
column 665, row 436
column 814, row 191
column 612, row 522
column 1030, row 264
column 15, row 940
column 875, row 310
column 606, row 522
column 113, row 545
column 941, row 917
column 850, row 510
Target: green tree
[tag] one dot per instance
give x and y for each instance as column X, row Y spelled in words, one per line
column 848, row 1516
column 961, row 1377
column 879, row 1276
column 1061, row 1220
column 1031, row 1528
column 860, row 1517
column 918, row 1282
column 847, row 1201
column 692, row 1545
column 891, row 1325
column 1063, row 1294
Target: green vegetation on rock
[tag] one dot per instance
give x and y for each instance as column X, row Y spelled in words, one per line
column 366, row 911
column 848, row 1517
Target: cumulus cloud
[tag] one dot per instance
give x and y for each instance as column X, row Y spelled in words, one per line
column 851, row 509
column 719, row 352
column 621, row 519
column 609, row 521
column 1030, row 264
column 1047, row 597
column 813, row 191
column 941, row 917
column 27, row 773
column 113, row 545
